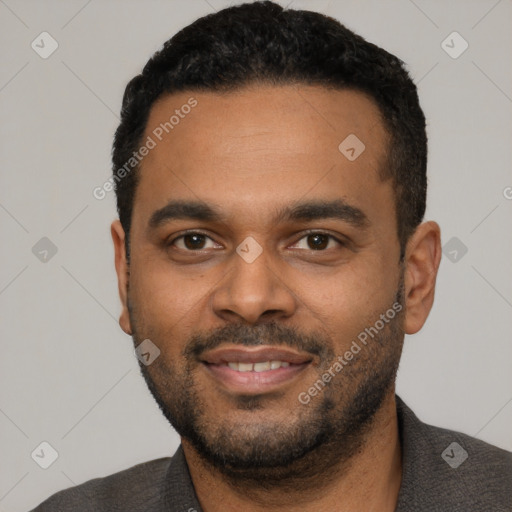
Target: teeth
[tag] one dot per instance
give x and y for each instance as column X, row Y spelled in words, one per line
column 262, row 367
column 258, row 367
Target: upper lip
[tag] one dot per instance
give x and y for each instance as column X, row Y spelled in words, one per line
column 258, row 354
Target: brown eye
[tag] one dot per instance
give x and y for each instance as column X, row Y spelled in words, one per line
column 194, row 241
column 191, row 242
column 318, row 241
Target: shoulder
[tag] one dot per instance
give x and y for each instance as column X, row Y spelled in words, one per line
column 138, row 488
column 448, row 470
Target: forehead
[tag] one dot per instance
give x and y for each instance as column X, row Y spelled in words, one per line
column 261, row 145
column 266, row 118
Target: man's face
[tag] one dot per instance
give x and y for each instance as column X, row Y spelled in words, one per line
column 251, row 306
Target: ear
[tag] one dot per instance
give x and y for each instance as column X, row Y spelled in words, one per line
column 123, row 273
column 422, row 258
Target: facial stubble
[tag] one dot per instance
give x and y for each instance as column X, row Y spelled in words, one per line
column 313, row 438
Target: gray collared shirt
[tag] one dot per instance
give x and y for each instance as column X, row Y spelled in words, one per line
column 443, row 471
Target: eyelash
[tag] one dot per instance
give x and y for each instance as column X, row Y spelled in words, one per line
column 306, row 234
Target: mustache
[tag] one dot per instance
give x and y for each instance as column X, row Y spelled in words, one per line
column 270, row 333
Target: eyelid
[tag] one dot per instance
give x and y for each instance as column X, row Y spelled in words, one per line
column 303, row 234
column 170, row 242
column 308, row 232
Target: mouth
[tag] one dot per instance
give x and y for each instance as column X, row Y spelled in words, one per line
column 254, row 370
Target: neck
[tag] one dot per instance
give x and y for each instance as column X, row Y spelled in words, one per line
column 369, row 481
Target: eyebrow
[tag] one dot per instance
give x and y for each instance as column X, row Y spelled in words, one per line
column 301, row 211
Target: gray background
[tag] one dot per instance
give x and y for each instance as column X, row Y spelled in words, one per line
column 68, row 374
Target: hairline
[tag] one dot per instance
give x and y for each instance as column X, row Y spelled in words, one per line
column 384, row 173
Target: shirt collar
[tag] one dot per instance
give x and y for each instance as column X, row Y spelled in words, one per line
column 414, row 439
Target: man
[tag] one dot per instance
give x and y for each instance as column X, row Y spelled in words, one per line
column 270, row 171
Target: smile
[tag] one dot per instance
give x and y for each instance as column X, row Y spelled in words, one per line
column 254, row 370
column 264, row 366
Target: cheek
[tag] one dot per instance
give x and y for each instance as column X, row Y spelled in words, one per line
column 347, row 301
column 169, row 303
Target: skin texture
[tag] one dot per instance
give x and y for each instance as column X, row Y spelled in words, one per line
column 250, row 153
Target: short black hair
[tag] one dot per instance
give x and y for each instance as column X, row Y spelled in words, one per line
column 260, row 42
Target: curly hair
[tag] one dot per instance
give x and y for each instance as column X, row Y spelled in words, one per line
column 261, row 42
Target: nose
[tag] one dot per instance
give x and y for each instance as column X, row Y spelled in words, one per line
column 253, row 291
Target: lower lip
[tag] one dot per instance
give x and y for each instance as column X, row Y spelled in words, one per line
column 254, row 382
